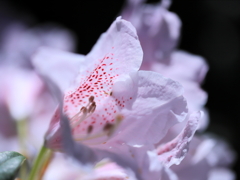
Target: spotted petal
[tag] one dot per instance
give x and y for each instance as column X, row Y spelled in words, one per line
column 174, row 151
column 90, row 103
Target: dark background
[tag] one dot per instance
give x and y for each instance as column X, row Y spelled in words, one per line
column 210, row 28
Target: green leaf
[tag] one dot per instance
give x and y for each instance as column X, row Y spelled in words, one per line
column 10, row 162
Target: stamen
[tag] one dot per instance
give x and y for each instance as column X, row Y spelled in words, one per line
column 87, row 111
column 84, row 113
column 108, row 130
column 91, row 99
column 84, row 110
column 92, row 107
column 78, row 118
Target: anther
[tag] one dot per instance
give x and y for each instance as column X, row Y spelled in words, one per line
column 92, row 107
column 91, row 99
column 84, row 110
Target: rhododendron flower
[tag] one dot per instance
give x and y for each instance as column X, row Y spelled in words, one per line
column 171, row 153
column 19, row 90
column 63, row 169
column 207, row 158
column 23, row 95
column 109, row 103
column 159, row 32
column 158, row 27
column 110, row 93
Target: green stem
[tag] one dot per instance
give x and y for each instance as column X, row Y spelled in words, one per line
column 22, row 134
column 40, row 164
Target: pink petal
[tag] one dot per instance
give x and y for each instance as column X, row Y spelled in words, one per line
column 140, row 159
column 20, row 90
column 221, row 174
column 205, row 154
column 157, row 106
column 61, row 67
column 190, row 79
column 158, row 29
column 174, row 151
column 19, row 38
column 116, row 55
column 109, row 171
column 20, row 42
column 168, row 174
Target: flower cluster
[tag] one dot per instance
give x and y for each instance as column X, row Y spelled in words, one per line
column 128, row 110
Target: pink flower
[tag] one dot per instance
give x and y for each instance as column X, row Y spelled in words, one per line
column 191, row 78
column 19, row 90
column 111, row 106
column 21, row 95
column 159, row 32
column 156, row 161
column 158, row 29
column 62, row 169
column 207, row 158
column 22, row 92
column 109, row 89
column 20, row 42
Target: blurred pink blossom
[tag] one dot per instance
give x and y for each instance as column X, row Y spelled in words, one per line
column 67, row 169
column 23, row 95
column 207, row 158
column 19, row 42
column 19, row 90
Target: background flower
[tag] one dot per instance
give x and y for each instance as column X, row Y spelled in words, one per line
column 24, row 100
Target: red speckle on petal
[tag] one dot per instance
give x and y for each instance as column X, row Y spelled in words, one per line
column 98, row 83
